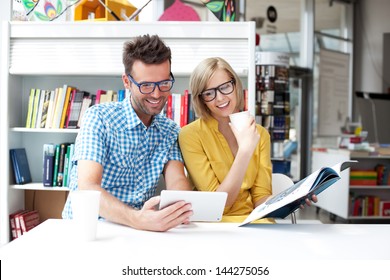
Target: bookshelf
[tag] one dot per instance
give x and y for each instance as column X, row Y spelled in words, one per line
column 88, row 55
column 273, row 104
column 336, row 200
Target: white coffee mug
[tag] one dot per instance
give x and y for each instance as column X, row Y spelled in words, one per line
column 238, row 120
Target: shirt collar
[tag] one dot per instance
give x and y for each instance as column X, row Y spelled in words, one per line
column 133, row 120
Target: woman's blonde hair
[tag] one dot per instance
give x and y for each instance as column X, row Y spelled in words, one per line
column 201, row 76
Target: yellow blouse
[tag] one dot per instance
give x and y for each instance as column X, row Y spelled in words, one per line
column 208, row 159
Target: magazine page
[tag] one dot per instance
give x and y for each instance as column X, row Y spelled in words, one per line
column 293, row 193
column 287, row 201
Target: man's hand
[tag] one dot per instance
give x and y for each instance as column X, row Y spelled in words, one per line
column 148, row 218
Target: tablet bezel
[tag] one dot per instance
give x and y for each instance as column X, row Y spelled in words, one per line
column 206, row 206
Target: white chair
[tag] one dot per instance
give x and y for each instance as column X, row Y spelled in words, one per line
column 280, row 182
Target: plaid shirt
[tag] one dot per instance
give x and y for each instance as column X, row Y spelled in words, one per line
column 132, row 155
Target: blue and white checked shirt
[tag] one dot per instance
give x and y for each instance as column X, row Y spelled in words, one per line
column 132, row 155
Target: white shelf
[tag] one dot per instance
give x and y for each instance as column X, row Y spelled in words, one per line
column 368, row 217
column 38, row 187
column 43, row 130
column 370, row 187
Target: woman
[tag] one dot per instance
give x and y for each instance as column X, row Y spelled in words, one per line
column 217, row 157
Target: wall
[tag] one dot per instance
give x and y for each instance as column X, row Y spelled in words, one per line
column 371, row 22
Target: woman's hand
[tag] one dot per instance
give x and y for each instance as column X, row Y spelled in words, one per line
column 247, row 137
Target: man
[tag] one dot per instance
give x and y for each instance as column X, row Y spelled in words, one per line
column 123, row 147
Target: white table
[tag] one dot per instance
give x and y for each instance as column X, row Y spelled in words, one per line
column 208, row 244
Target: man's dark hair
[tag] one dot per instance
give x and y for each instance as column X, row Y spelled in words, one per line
column 146, row 48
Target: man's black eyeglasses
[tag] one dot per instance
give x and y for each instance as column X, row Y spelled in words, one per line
column 149, row 87
column 225, row 88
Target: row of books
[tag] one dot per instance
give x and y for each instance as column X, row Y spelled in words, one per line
column 179, row 108
column 64, row 106
column 22, row 221
column 369, row 206
column 363, row 178
column 57, row 164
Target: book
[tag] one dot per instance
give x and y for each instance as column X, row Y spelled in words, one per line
column 61, row 164
column 68, row 98
column 18, row 227
column 12, row 221
column 40, row 108
column 35, row 108
column 107, row 97
column 289, row 200
column 87, row 101
column 28, row 220
column 75, row 108
column 48, row 164
column 30, row 108
column 59, row 105
column 99, row 93
column 121, row 94
column 66, row 166
column 384, row 208
column 56, row 164
column 20, row 166
column 43, row 111
column 51, row 108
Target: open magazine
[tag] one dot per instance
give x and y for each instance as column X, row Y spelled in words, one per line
column 287, row 201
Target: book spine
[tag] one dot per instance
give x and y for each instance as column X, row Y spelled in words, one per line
column 30, row 108
column 185, row 108
column 48, row 164
column 66, row 166
column 87, row 101
column 61, row 165
column 68, row 97
column 40, row 108
column 50, row 109
column 75, row 109
column 45, row 108
column 56, row 163
column 35, row 108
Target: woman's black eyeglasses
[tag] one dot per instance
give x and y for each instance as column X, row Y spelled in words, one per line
column 225, row 88
column 149, row 87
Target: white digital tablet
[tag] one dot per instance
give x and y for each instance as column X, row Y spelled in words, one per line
column 207, row 206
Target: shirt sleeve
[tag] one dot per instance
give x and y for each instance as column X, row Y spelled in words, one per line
column 90, row 142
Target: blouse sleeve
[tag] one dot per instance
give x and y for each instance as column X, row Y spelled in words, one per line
column 262, row 185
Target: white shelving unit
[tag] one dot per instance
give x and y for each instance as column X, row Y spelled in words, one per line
column 88, row 55
column 335, row 200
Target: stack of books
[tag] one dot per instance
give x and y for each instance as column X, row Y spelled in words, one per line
column 363, row 178
column 22, row 221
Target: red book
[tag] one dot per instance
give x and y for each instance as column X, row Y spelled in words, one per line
column 385, row 208
column 182, row 111
column 185, row 113
column 99, row 93
column 169, row 107
column 18, row 226
column 12, row 220
column 29, row 220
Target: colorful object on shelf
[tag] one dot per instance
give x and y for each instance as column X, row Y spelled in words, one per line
column 224, row 10
column 179, row 12
column 94, row 10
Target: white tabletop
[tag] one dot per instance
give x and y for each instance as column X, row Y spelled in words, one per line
column 203, row 243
